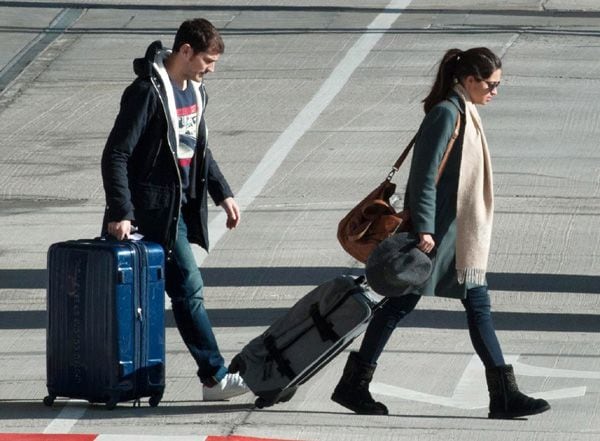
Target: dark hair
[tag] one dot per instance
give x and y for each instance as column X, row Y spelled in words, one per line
column 456, row 65
column 200, row 34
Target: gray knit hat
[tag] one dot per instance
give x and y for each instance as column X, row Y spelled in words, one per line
column 397, row 267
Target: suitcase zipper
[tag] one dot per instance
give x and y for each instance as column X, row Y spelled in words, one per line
column 138, row 316
column 143, row 307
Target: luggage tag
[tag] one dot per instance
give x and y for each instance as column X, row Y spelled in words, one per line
column 134, row 234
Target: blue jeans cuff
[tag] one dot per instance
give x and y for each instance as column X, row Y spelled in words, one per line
column 216, row 378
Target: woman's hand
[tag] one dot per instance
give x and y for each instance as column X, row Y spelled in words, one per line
column 426, row 243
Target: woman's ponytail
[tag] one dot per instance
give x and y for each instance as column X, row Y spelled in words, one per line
column 444, row 79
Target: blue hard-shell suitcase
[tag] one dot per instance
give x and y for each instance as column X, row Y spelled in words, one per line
column 105, row 337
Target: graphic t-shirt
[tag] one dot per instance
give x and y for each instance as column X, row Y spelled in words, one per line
column 187, row 118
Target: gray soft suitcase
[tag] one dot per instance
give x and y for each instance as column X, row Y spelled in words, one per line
column 316, row 329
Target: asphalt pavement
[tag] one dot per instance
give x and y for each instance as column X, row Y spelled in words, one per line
column 310, row 105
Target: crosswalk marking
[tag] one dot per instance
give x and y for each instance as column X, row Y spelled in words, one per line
column 471, row 389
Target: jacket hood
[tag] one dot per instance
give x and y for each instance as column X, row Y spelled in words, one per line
column 143, row 66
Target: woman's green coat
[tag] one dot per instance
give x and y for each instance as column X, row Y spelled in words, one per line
column 433, row 209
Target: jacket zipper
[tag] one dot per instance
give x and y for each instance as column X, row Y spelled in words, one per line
column 205, row 134
column 169, row 128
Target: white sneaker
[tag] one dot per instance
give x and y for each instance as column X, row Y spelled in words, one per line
column 230, row 386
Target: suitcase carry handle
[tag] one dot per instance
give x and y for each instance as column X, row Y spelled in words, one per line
column 380, row 304
column 362, row 280
column 108, row 237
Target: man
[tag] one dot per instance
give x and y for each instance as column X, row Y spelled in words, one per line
column 157, row 170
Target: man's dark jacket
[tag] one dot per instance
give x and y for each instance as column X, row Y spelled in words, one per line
column 139, row 163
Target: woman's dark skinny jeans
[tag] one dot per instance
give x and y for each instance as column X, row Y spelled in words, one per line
column 481, row 328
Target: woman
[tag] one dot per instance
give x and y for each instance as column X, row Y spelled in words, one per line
column 455, row 218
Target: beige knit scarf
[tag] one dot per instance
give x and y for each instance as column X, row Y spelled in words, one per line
column 475, row 199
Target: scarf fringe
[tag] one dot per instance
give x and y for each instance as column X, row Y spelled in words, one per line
column 471, row 275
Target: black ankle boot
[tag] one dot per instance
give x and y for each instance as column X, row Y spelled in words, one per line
column 506, row 401
column 352, row 391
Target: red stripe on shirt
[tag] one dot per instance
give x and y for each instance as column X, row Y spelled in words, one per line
column 183, row 111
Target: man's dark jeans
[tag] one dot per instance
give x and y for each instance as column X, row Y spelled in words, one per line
column 184, row 286
column 481, row 328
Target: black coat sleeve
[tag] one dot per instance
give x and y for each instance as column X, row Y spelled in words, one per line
column 218, row 188
column 137, row 105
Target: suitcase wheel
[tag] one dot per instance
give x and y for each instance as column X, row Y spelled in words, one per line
column 287, row 395
column 261, row 402
column 112, row 402
column 237, row 365
column 154, row 400
column 49, row 400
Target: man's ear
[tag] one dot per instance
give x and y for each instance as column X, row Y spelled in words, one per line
column 186, row 50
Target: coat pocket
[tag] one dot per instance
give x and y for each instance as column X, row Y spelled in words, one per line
column 151, row 197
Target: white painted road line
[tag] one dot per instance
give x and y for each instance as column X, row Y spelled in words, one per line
column 149, row 438
column 68, row 417
column 306, row 118
column 471, row 390
column 123, row 437
column 63, row 20
column 535, row 371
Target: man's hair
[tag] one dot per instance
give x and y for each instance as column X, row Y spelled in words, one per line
column 201, row 35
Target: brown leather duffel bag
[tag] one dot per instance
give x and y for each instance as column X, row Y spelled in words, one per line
column 374, row 218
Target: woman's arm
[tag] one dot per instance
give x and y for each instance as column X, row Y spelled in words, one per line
column 435, row 133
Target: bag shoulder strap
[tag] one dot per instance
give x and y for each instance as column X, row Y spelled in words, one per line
column 448, row 149
column 405, row 153
column 410, row 145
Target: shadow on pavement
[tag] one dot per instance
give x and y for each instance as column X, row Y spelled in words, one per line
column 310, row 276
column 35, row 409
column 434, row 319
column 300, row 9
column 474, row 29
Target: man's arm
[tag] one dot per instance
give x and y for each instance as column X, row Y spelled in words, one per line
column 137, row 104
column 220, row 192
column 120, row 230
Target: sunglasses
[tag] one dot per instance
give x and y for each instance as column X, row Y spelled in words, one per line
column 491, row 84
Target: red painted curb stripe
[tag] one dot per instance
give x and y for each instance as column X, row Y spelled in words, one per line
column 92, row 437
column 45, row 437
